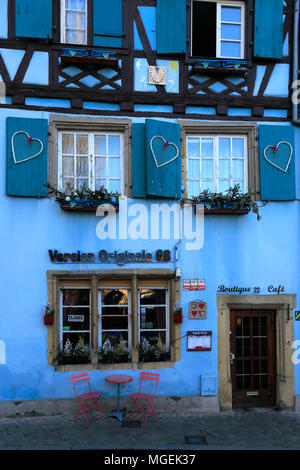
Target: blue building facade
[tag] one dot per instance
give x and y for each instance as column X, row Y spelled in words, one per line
column 150, row 167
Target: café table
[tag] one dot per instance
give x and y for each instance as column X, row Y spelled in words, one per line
column 118, row 379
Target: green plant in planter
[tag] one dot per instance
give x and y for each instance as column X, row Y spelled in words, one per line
column 81, row 349
column 232, row 199
column 152, row 352
column 84, row 194
column 109, row 354
column 48, row 314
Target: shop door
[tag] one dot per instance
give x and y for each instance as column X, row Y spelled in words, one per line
column 252, row 358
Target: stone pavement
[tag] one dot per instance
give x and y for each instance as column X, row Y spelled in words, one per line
column 252, row 429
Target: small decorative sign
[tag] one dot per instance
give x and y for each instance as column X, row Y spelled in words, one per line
column 275, row 149
column 77, row 318
column 197, row 310
column 157, row 75
column 297, row 315
column 193, row 284
column 199, row 340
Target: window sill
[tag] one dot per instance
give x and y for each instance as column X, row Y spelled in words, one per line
column 121, row 366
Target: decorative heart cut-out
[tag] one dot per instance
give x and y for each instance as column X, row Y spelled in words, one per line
column 30, row 139
column 166, row 144
column 284, row 170
column 194, row 313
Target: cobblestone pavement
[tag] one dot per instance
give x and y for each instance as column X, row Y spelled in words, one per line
column 255, row 429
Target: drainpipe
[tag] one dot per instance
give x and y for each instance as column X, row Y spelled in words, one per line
column 295, row 119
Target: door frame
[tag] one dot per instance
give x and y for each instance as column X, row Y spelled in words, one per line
column 283, row 304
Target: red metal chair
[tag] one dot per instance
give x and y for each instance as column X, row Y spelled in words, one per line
column 145, row 407
column 84, row 398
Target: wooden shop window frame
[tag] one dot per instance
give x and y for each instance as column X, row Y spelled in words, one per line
column 218, row 128
column 95, row 279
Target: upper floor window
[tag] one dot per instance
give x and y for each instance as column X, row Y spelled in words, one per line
column 218, row 29
column 74, row 21
column 216, row 163
column 90, row 160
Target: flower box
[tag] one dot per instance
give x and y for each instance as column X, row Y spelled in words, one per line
column 226, row 211
column 85, row 205
column 74, row 360
column 48, row 319
column 178, row 318
column 221, row 67
column 83, row 56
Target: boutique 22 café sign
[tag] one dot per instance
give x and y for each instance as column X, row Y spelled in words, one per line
column 114, row 257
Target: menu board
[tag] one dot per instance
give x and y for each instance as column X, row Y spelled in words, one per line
column 199, row 340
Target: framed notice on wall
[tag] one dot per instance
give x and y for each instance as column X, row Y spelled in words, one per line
column 199, row 340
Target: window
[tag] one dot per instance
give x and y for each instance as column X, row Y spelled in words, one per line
column 90, row 160
column 216, row 163
column 74, row 21
column 89, row 152
column 218, row 29
column 219, row 155
column 113, row 318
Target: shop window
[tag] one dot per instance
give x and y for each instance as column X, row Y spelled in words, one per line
column 89, row 153
column 218, row 29
column 90, row 160
column 108, row 321
column 216, row 163
column 74, row 21
column 219, row 156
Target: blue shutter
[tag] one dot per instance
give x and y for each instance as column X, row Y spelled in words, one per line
column 108, row 23
column 171, row 27
column 138, row 161
column 26, row 164
column 268, row 29
column 276, row 184
column 163, row 168
column 34, row 19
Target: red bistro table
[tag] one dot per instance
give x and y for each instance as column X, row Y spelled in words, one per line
column 118, row 379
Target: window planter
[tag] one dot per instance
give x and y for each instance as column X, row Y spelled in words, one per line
column 178, row 318
column 83, row 56
column 221, row 67
column 85, row 205
column 73, row 360
column 226, row 211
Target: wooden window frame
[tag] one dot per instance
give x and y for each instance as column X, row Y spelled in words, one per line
column 63, row 24
column 219, row 5
column 79, row 124
column 95, row 279
column 231, row 129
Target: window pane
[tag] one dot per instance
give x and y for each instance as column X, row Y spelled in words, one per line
column 231, row 14
column 207, row 169
column 76, row 297
column 153, row 336
column 74, row 339
column 114, row 186
column 68, row 143
column 193, row 188
column 224, row 168
column 111, row 322
column 152, row 296
column 224, row 186
column 114, row 297
column 230, row 49
column 114, row 169
column 207, row 186
column 75, row 37
column 76, row 318
column 67, row 166
column 100, row 166
column 99, row 183
column 206, row 148
column 100, row 144
column 75, row 20
column 224, row 147
column 82, row 166
column 82, row 145
column 193, row 168
column 238, row 169
column 193, row 147
column 231, row 31
column 67, row 184
column 238, row 147
column 82, row 183
column 241, row 183
column 114, row 145
column 76, row 4
column 114, row 338
column 153, row 317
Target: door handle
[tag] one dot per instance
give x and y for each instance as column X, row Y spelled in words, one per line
column 232, row 358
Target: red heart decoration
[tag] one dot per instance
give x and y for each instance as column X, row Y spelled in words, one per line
column 194, row 313
column 201, row 306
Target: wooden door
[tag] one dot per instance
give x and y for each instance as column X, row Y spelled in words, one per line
column 252, row 346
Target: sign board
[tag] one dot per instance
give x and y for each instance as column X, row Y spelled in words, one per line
column 78, row 318
column 193, row 284
column 199, row 340
column 297, row 315
column 197, row 310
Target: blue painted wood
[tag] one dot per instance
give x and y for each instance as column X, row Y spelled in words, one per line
column 268, row 29
column 171, row 27
column 108, row 23
column 26, row 178
column 163, row 180
column 138, row 160
column 275, row 185
column 34, row 19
